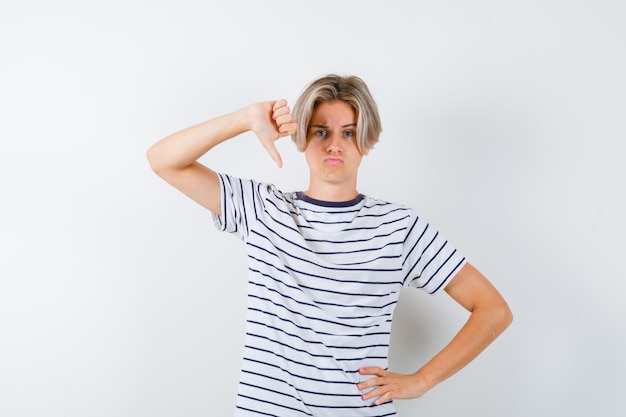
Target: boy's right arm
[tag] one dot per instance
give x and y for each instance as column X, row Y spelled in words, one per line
column 175, row 158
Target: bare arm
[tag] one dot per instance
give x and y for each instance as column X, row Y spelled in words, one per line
column 175, row 158
column 490, row 316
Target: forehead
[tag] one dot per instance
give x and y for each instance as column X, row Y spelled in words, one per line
column 333, row 112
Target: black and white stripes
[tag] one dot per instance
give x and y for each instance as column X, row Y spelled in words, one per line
column 324, row 279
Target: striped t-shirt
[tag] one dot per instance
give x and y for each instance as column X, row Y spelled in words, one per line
column 324, row 279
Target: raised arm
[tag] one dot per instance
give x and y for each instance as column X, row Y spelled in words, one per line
column 490, row 316
column 175, row 158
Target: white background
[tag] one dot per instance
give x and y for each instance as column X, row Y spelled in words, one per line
column 504, row 125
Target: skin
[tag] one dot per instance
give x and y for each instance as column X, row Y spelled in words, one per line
column 332, row 153
column 490, row 316
column 334, row 159
column 175, row 158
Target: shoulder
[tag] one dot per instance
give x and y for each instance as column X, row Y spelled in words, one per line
column 385, row 213
column 376, row 205
column 231, row 181
column 260, row 191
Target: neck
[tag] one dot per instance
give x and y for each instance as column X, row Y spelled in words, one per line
column 334, row 193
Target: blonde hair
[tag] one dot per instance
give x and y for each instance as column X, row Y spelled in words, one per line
column 349, row 89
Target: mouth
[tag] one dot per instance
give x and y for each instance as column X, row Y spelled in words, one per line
column 334, row 160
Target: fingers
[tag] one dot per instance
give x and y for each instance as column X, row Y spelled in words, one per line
column 377, row 383
column 271, row 149
column 283, row 118
column 378, row 380
column 385, row 386
column 269, row 129
column 372, row 370
column 381, row 394
column 278, row 104
column 280, row 108
column 288, row 129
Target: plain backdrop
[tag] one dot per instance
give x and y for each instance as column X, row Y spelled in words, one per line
column 503, row 125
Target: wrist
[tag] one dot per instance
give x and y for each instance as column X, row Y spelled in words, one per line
column 244, row 118
column 422, row 383
column 253, row 116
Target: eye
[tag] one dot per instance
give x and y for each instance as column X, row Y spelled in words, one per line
column 320, row 133
column 349, row 133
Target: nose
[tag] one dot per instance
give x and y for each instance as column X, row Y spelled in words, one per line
column 334, row 144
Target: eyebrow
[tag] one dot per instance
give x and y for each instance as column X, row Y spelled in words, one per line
column 326, row 127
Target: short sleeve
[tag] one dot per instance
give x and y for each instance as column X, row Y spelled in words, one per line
column 241, row 202
column 429, row 259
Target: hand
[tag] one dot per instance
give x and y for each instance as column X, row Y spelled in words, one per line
column 271, row 121
column 389, row 385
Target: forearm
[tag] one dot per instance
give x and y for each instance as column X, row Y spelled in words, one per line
column 175, row 158
column 181, row 149
column 484, row 325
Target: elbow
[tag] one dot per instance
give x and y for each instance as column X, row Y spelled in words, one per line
column 153, row 159
column 503, row 317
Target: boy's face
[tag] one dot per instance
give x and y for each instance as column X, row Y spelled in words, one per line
column 331, row 150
